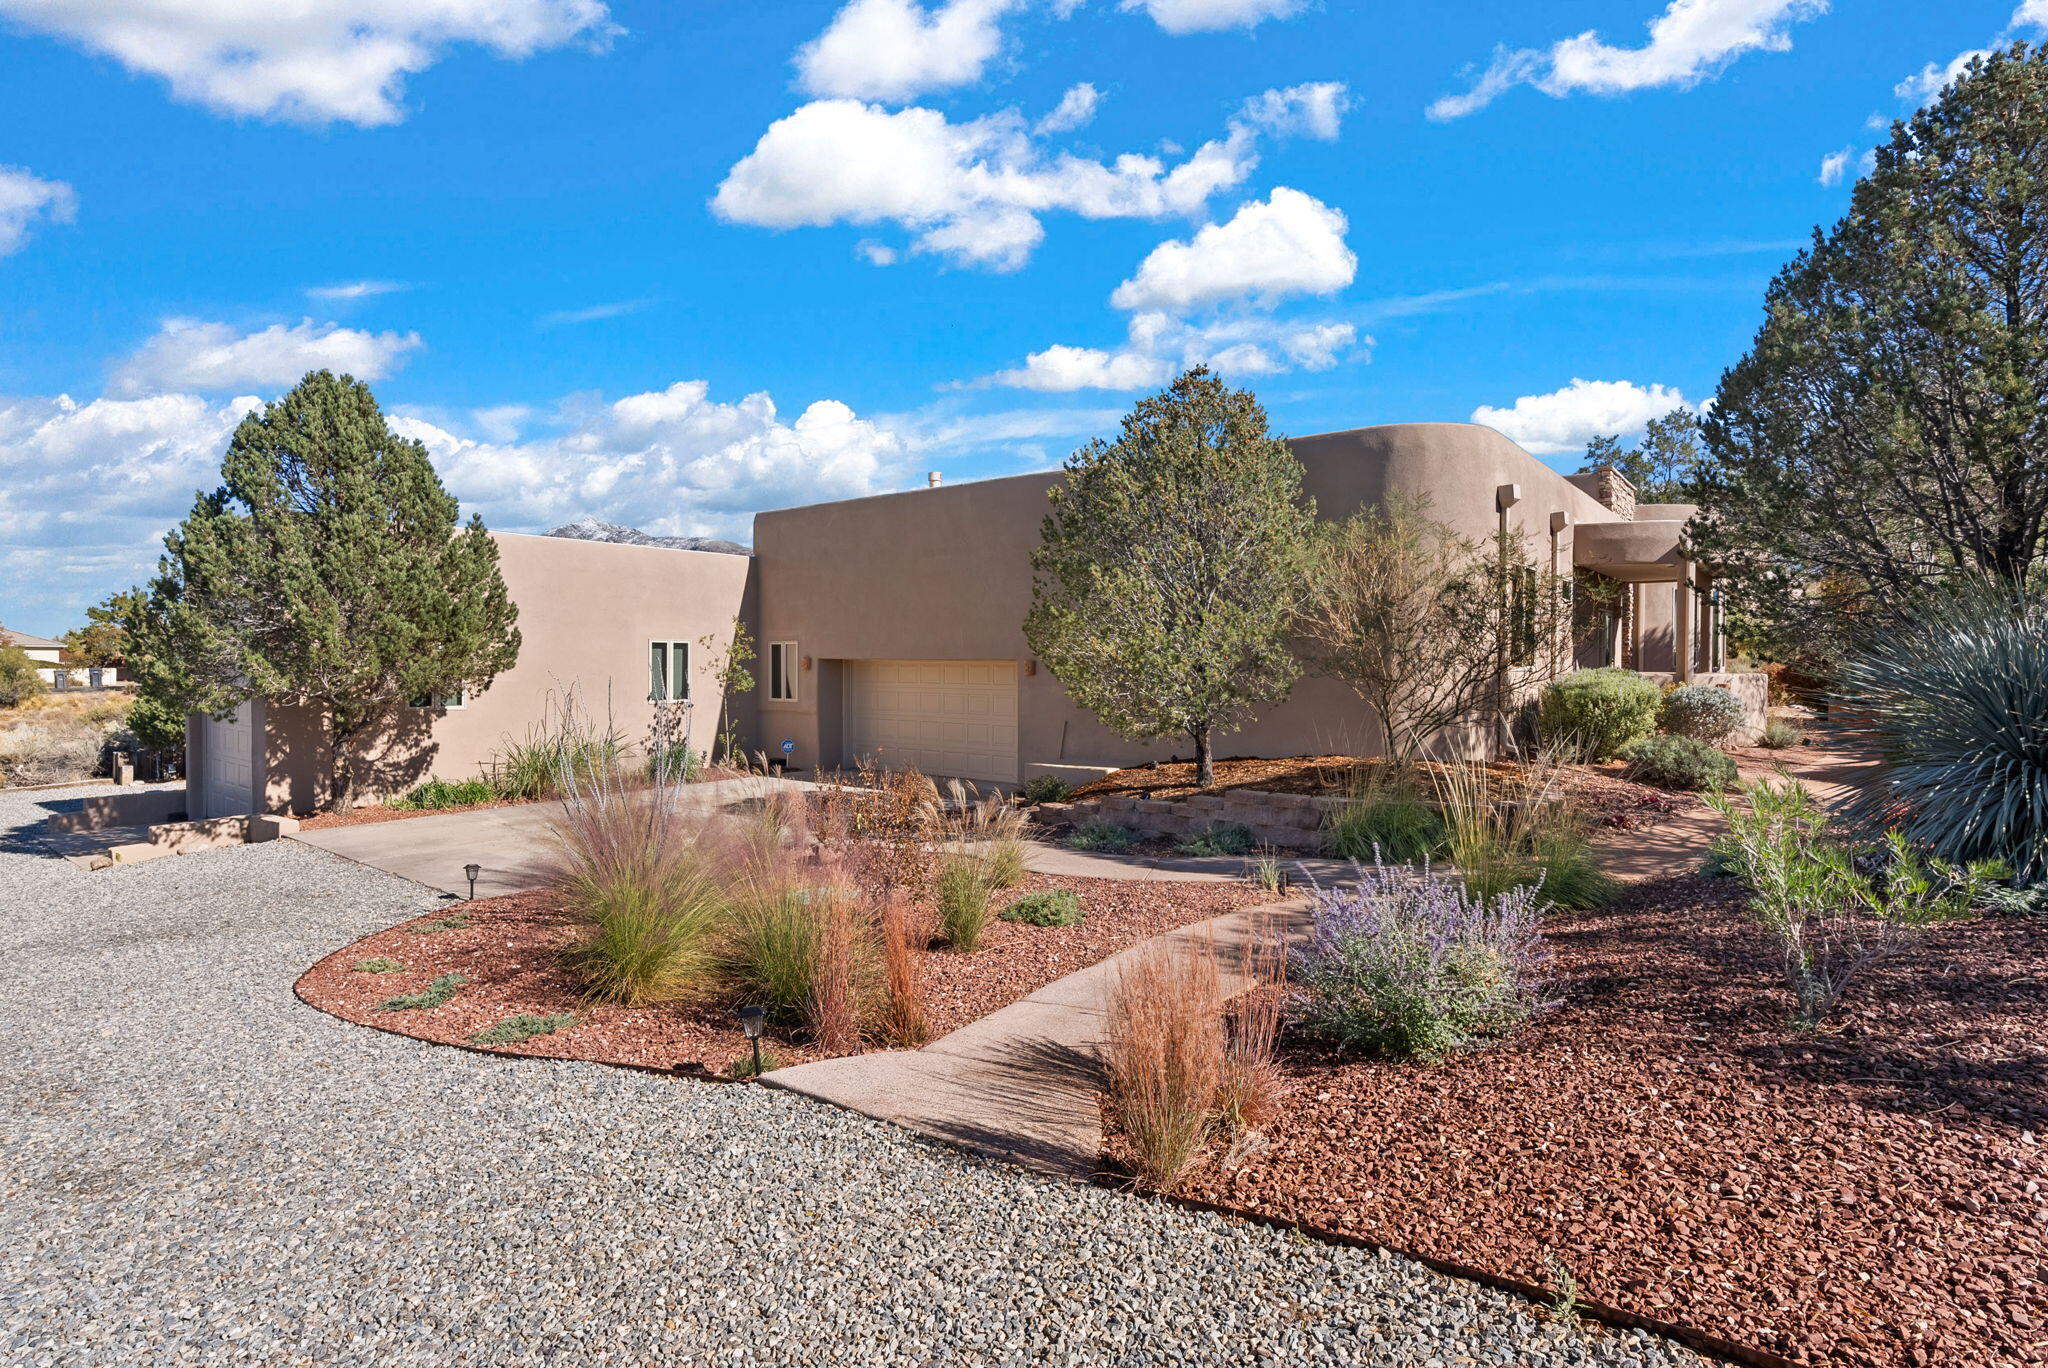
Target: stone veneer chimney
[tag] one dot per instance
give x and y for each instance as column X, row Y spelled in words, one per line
column 1611, row 488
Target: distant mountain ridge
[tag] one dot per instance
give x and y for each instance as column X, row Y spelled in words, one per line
column 590, row 529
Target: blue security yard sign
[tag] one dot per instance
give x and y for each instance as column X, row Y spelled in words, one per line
column 788, row 747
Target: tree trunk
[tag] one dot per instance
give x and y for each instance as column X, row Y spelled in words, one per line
column 1205, row 762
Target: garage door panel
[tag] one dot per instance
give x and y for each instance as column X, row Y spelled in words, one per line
column 954, row 718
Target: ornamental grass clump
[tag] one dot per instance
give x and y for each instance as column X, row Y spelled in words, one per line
column 1700, row 711
column 1166, row 1049
column 445, row 793
column 1534, row 836
column 1229, row 838
column 639, row 870
column 1781, row 735
column 1594, row 713
column 1385, row 817
column 1106, row 838
column 1408, row 965
column 964, row 891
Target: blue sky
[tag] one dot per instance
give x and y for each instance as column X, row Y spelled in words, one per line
column 669, row 263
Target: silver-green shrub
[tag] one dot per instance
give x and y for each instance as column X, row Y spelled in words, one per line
column 1594, row 713
column 1700, row 711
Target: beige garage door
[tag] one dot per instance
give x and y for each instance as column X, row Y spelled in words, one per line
column 951, row 718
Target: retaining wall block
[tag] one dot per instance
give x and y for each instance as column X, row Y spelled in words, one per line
column 1156, row 806
column 1118, row 803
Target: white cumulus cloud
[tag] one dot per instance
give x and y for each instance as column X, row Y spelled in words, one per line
column 25, row 200
column 1208, row 16
column 1287, row 244
column 313, row 61
column 898, row 49
column 190, row 354
column 1314, row 110
column 1566, row 419
column 1160, row 346
column 673, row 461
column 1834, row 165
column 972, row 192
column 1689, row 42
column 1074, row 110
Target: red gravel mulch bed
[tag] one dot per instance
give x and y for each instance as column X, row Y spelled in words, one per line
column 1599, row 787
column 377, row 812
column 511, row 953
column 1874, row 1194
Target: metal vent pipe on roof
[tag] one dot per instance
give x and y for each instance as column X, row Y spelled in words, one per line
column 932, row 480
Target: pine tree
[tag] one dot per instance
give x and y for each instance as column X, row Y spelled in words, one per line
column 328, row 569
column 1885, row 441
column 1171, row 566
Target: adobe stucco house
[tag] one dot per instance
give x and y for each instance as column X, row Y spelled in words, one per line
column 893, row 625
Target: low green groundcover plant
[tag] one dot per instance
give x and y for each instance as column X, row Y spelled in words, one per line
column 442, row 793
column 1231, row 838
column 1700, row 711
column 1408, row 965
column 379, row 964
column 1107, row 838
column 1046, row 788
column 1050, row 907
column 454, row 923
column 524, row 1026
column 1679, row 762
column 1781, row 735
column 1594, row 713
column 433, row 995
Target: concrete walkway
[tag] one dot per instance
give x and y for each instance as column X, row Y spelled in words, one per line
column 1023, row 1083
column 511, row 843
column 1679, row 843
column 1046, row 858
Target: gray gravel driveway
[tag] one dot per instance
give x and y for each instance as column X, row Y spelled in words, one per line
column 197, row 1168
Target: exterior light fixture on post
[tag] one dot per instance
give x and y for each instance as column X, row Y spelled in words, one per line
column 471, row 871
column 752, row 1020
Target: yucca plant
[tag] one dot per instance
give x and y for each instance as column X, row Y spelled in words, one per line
column 1959, row 708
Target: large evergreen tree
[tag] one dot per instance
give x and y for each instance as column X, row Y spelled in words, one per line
column 328, row 569
column 1887, row 435
column 1171, row 566
column 1663, row 466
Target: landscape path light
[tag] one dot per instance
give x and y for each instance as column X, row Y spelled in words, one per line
column 752, row 1020
column 472, row 870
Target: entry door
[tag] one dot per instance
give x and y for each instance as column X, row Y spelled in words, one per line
column 954, row 719
column 228, row 751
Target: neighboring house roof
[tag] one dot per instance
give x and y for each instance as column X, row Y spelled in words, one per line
column 10, row 637
column 590, row 529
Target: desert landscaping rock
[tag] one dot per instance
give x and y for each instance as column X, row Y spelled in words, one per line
column 197, row 1168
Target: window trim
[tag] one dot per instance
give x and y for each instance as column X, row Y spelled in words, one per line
column 672, row 652
column 783, row 668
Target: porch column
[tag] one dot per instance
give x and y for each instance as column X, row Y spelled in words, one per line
column 1681, row 636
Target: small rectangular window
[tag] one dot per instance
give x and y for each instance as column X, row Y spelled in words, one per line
column 782, row 669
column 668, row 671
column 454, row 698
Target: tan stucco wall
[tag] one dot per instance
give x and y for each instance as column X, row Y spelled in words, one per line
column 587, row 612
column 945, row 574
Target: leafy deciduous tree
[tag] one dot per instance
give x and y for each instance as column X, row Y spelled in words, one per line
column 1171, row 566
column 328, row 569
